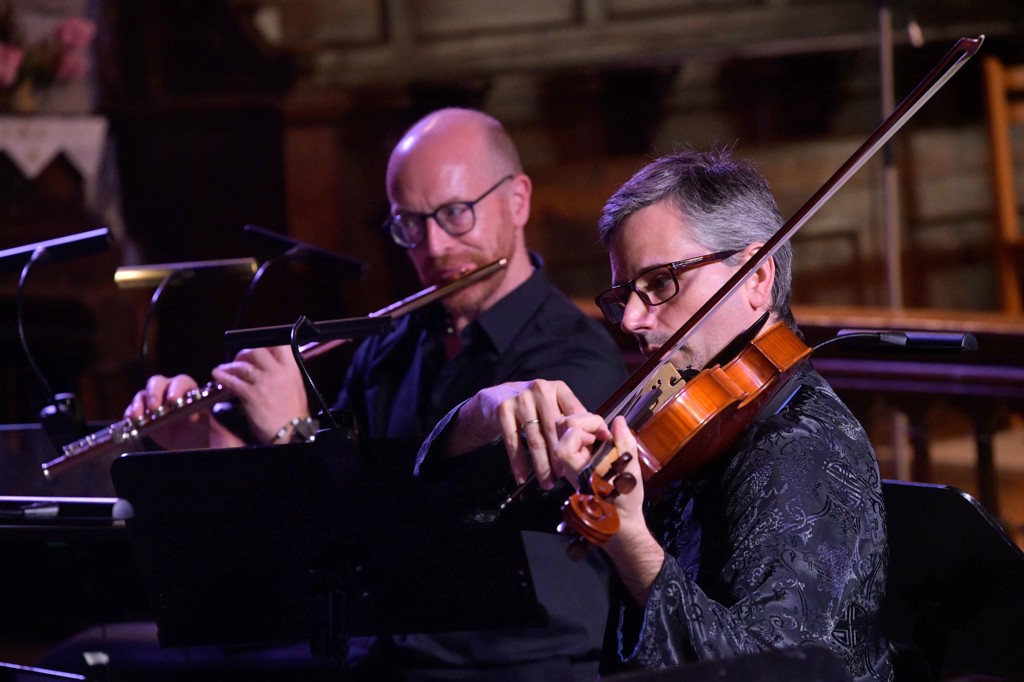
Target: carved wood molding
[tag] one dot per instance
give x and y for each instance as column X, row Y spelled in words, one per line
column 404, row 41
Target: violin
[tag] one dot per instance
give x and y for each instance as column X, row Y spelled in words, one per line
column 680, row 426
column 126, row 433
column 678, row 432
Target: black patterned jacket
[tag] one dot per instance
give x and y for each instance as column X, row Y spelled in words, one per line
column 778, row 543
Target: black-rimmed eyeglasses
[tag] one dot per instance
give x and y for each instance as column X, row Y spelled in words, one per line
column 654, row 286
column 409, row 229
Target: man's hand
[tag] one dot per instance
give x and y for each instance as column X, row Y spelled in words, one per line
column 525, row 416
column 636, row 554
column 575, row 450
column 269, row 387
column 198, row 430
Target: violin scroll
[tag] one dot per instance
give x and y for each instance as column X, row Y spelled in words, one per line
column 592, row 518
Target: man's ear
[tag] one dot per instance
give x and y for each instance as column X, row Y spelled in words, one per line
column 520, row 191
column 759, row 285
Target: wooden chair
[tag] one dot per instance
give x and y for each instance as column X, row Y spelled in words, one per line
column 1002, row 84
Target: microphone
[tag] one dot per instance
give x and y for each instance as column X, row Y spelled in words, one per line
column 912, row 341
column 61, row 418
column 350, row 268
column 61, row 248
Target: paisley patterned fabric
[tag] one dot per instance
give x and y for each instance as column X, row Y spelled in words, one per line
column 780, row 542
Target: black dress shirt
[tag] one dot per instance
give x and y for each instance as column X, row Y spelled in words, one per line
column 400, row 385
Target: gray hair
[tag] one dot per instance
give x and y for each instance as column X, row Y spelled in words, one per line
column 725, row 200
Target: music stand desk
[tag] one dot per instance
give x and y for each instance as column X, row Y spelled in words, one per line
column 956, row 581
column 312, row 541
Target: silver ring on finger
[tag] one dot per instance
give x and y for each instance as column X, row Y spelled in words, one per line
column 522, row 427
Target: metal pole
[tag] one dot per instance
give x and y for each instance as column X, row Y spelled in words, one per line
column 891, row 242
column 890, row 181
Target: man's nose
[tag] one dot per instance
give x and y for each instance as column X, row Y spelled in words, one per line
column 636, row 316
column 436, row 238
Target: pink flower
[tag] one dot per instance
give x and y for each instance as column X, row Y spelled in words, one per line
column 10, row 62
column 75, row 33
column 72, row 66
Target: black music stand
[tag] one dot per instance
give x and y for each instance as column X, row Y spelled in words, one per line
column 34, row 513
column 25, row 673
column 317, row 542
column 76, row 512
column 955, row 594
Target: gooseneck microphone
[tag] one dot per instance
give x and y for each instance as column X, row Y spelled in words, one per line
column 61, row 248
column 279, row 244
column 61, row 417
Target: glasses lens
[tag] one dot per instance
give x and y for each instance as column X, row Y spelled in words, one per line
column 657, row 286
column 456, row 219
column 613, row 303
column 407, row 230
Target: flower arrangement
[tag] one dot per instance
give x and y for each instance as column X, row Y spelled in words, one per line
column 25, row 68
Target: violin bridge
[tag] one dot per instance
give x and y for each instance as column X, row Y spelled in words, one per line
column 647, row 402
column 665, row 378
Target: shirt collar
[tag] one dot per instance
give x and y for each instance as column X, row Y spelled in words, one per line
column 502, row 322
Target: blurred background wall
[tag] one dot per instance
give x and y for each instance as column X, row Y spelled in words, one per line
column 222, row 113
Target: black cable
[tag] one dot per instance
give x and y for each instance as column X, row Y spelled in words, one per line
column 150, row 312
column 19, row 309
column 247, row 298
column 349, row 268
column 294, row 338
column 846, row 337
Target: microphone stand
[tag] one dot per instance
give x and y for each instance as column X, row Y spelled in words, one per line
column 166, row 274
column 61, row 417
column 306, row 335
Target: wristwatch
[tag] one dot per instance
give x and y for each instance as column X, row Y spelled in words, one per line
column 297, row 430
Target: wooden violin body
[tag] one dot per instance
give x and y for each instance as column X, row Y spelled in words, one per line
column 688, row 428
column 716, row 406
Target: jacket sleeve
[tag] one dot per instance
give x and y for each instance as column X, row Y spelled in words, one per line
column 793, row 552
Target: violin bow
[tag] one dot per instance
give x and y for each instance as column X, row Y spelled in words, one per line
column 954, row 59
column 627, row 393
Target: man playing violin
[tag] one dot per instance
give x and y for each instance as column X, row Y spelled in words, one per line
column 780, row 541
column 459, row 200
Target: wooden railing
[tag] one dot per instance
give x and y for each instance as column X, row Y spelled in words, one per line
column 986, row 385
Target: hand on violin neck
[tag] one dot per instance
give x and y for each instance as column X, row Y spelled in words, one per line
column 630, row 499
column 636, row 554
column 617, row 467
column 574, row 450
column 524, row 416
column 619, row 522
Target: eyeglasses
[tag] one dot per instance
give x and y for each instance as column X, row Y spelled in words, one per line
column 409, row 229
column 654, row 286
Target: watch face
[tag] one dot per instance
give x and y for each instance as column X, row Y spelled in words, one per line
column 305, row 430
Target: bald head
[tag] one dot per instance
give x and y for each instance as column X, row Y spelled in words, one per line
column 463, row 157
column 455, row 136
